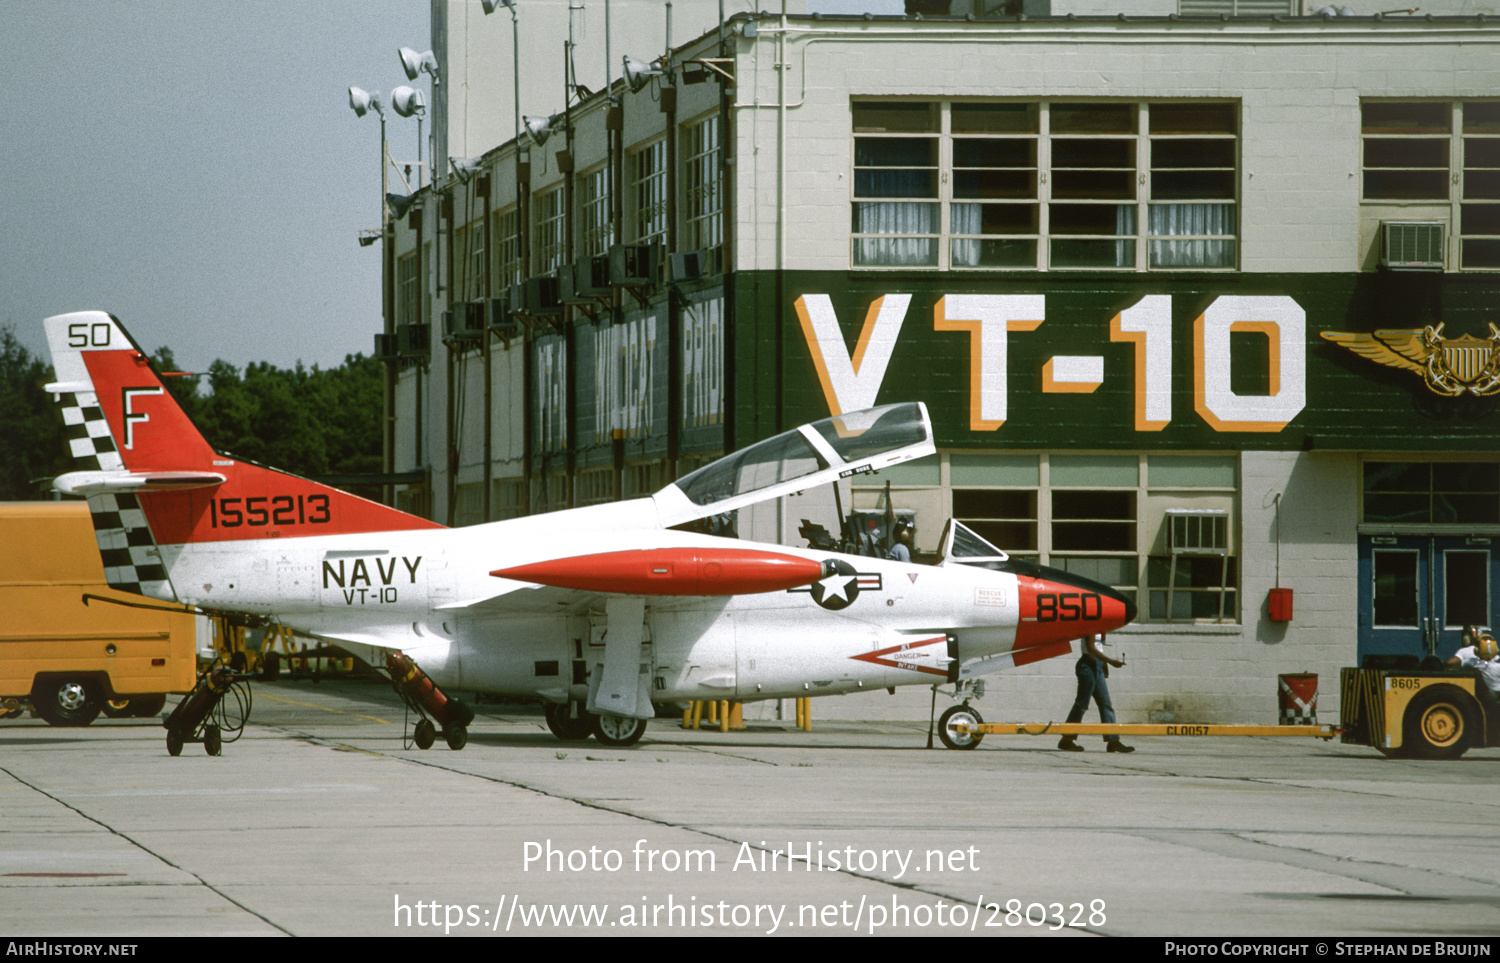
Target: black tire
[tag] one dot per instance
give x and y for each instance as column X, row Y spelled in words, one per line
column 174, row 742
column 966, row 714
column 618, row 731
column 148, row 706
column 565, row 728
column 118, row 708
column 1440, row 723
column 213, row 740
column 11, row 713
column 67, row 701
column 425, row 734
column 456, row 736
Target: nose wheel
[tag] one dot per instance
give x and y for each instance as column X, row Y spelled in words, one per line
column 963, row 714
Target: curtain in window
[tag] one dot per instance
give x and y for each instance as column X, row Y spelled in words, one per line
column 1178, row 220
column 965, row 219
column 910, row 217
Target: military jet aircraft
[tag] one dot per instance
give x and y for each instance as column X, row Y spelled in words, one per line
column 599, row 612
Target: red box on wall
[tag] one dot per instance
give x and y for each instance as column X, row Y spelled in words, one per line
column 1280, row 605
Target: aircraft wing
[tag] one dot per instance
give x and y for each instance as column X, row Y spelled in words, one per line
column 806, row 457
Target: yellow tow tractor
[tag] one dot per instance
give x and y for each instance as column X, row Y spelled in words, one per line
column 1437, row 713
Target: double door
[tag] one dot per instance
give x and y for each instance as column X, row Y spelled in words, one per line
column 1417, row 592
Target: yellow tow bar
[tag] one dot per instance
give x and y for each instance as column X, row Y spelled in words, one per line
column 1136, row 729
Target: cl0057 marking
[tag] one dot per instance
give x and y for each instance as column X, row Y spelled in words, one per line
column 282, row 510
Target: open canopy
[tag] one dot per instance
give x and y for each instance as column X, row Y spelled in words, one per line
column 805, row 457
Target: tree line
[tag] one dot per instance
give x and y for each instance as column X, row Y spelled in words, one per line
column 308, row 421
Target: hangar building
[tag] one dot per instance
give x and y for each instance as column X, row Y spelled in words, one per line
column 1203, row 297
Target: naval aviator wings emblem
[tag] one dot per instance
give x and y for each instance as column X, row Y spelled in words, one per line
column 1451, row 366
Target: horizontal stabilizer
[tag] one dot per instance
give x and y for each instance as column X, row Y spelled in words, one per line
column 116, row 482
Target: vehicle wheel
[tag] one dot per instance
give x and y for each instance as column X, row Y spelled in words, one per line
column 1439, row 723
column 969, row 716
column 456, row 736
column 11, row 713
column 618, row 731
column 213, row 740
column 147, row 707
column 174, row 742
column 118, row 708
column 425, row 734
column 67, row 702
column 565, row 728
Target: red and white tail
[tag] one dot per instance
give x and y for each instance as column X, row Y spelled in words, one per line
column 152, row 479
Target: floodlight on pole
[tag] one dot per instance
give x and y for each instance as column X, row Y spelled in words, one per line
column 638, row 73
column 415, row 63
column 464, row 168
column 408, row 101
column 538, row 128
column 361, row 101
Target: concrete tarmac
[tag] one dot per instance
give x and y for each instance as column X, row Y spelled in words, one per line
column 321, row 820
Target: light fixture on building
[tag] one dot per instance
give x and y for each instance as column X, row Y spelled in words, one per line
column 538, row 128
column 638, row 73
column 490, row 6
column 464, row 167
column 408, row 101
column 361, row 101
column 414, row 63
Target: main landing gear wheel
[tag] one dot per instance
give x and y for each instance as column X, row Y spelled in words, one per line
column 1439, row 724
column 565, row 728
column 456, row 736
column 618, row 731
column 969, row 716
column 67, row 702
column 425, row 734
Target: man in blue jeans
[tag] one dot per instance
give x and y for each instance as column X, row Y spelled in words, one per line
column 1092, row 669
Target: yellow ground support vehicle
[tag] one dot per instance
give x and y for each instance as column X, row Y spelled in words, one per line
column 1418, row 713
column 69, row 659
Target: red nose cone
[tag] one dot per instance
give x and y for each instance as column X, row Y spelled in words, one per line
column 1054, row 610
column 672, row 571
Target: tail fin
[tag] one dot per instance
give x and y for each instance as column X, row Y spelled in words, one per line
column 151, row 478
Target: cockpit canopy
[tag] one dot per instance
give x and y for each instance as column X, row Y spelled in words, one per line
column 805, row 457
column 961, row 545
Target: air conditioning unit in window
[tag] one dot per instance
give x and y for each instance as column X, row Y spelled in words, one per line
column 1197, row 531
column 502, row 322
column 536, row 297
column 414, row 340
column 687, row 265
column 634, row 264
column 1412, row 245
column 387, row 347
column 464, row 322
column 586, row 279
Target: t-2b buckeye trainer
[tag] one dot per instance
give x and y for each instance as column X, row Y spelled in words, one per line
column 598, row 612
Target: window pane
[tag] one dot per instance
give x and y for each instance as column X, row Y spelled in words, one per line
column 1481, row 185
column 993, row 219
column 895, row 183
column 994, row 118
column 1395, row 588
column 1380, row 152
column 994, row 503
column 1190, row 471
column 1093, row 254
column 1482, row 117
column 1012, row 152
column 1094, row 184
column 903, row 117
column 1398, row 508
column 906, row 218
column 1093, row 536
column 1192, row 254
column 1466, row 588
column 1118, row 572
column 1479, row 219
column 1482, row 151
column 1193, row 119
column 1429, row 118
column 1007, row 253
column 1466, row 476
column 895, row 252
column 994, row 470
column 895, row 152
column 1192, row 153
column 923, row 471
column 1406, row 185
column 1093, row 118
column 1398, row 476
column 1121, row 471
column 1481, row 254
column 1189, row 220
column 1093, row 153
column 1465, row 509
column 1093, row 505
column 1017, row 184
column 1169, row 185
column 1107, row 219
